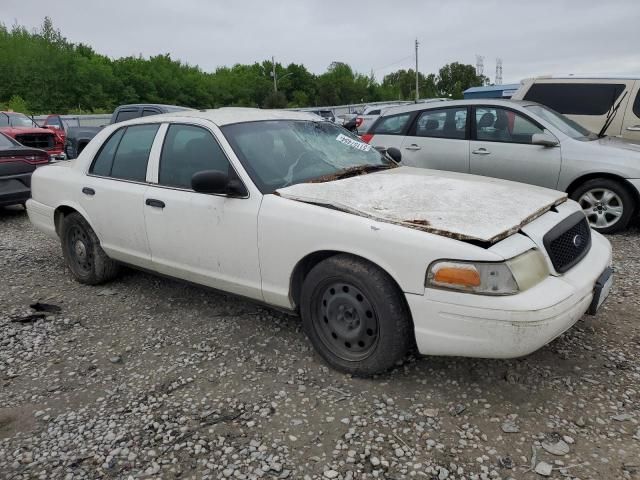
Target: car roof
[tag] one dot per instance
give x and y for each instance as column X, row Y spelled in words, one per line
column 596, row 76
column 455, row 103
column 229, row 115
column 169, row 108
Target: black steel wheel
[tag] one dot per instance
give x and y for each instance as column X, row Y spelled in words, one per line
column 355, row 315
column 80, row 249
column 82, row 252
column 349, row 323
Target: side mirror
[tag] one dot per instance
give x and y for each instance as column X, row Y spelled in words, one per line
column 217, row 182
column 543, row 139
column 395, row 154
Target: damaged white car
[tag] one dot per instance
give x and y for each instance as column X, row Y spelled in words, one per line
column 297, row 213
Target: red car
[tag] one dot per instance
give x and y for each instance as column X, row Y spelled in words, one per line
column 24, row 130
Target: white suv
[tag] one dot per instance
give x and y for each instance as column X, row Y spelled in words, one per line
column 592, row 101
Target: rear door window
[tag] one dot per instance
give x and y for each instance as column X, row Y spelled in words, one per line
column 636, row 105
column 126, row 154
column 444, row 123
column 576, row 98
column 130, row 161
column 187, row 150
column 146, row 112
column 392, row 125
column 103, row 162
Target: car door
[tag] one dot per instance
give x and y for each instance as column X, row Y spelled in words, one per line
column 113, row 193
column 203, row 238
column 501, row 147
column 438, row 139
column 631, row 123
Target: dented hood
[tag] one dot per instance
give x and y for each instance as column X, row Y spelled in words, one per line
column 465, row 207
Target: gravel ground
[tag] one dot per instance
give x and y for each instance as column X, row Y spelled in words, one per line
column 151, row 378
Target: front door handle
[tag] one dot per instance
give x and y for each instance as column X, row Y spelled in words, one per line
column 635, row 128
column 152, row 202
column 481, row 151
column 88, row 191
column 413, row 147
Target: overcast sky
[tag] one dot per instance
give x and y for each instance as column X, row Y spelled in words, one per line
column 532, row 37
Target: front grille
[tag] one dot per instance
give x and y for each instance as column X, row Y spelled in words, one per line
column 37, row 140
column 568, row 242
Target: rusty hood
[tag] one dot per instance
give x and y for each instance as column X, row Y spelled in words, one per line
column 465, row 207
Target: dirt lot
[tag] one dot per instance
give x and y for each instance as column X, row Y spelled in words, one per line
column 151, row 378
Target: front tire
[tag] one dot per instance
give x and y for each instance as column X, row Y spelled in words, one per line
column 82, row 252
column 355, row 316
column 608, row 205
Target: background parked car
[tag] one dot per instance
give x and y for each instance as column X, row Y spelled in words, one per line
column 79, row 137
column 27, row 132
column 326, row 114
column 521, row 141
column 17, row 163
column 367, row 118
column 590, row 101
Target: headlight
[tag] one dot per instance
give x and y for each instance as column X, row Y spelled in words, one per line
column 489, row 278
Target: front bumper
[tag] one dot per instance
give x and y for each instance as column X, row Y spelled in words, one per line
column 452, row 323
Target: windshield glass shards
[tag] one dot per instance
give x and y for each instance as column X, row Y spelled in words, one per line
column 279, row 153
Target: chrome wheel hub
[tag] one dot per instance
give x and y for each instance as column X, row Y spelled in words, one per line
column 603, row 207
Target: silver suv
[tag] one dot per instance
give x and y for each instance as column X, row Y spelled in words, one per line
column 522, row 141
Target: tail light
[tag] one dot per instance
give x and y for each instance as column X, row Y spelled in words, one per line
column 367, row 137
column 359, row 121
column 30, row 159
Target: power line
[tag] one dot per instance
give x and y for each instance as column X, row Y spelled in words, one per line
column 394, row 63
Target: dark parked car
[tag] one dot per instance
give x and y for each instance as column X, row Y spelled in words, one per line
column 17, row 163
column 79, row 137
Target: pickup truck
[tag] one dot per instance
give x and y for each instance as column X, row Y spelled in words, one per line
column 78, row 137
column 27, row 132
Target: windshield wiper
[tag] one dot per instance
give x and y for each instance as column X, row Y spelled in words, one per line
column 352, row 172
column 610, row 116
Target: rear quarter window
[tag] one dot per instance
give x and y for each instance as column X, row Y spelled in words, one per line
column 576, row 98
column 392, row 125
column 126, row 115
column 636, row 105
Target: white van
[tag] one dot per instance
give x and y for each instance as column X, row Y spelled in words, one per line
column 591, row 101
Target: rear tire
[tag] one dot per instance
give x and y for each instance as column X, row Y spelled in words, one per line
column 82, row 252
column 355, row 316
column 608, row 204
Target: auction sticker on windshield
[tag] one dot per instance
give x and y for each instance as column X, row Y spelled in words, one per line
column 365, row 147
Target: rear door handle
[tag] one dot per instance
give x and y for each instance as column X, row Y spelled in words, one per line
column 413, row 147
column 481, row 151
column 88, row 191
column 152, row 202
column 635, row 128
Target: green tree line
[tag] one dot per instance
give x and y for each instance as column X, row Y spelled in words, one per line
column 42, row 72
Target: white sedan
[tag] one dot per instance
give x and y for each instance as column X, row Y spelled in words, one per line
column 297, row 213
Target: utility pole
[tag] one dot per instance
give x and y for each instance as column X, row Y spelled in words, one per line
column 273, row 74
column 498, row 79
column 417, row 93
